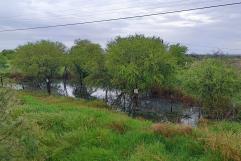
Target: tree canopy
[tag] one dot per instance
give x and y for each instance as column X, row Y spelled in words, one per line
column 3, row 63
column 214, row 83
column 40, row 60
column 86, row 59
column 141, row 62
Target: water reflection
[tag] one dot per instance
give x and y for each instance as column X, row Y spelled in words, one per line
column 158, row 110
column 154, row 109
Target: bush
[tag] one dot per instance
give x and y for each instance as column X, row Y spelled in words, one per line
column 215, row 84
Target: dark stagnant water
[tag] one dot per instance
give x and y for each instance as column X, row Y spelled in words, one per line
column 158, row 110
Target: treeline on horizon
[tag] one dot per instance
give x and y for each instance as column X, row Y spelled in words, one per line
column 128, row 63
column 217, row 54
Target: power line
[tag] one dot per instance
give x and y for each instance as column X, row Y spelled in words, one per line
column 122, row 18
column 106, row 12
column 92, row 7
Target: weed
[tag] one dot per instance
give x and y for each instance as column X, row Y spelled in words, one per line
column 119, row 127
column 170, row 130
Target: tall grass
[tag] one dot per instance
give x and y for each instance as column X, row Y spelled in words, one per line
column 57, row 128
column 8, row 143
column 224, row 137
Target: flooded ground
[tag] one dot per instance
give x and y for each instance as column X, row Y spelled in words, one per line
column 154, row 109
column 158, row 110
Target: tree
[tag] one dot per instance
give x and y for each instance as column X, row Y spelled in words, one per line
column 86, row 58
column 214, row 83
column 9, row 54
column 179, row 52
column 66, row 70
column 40, row 60
column 100, row 77
column 139, row 62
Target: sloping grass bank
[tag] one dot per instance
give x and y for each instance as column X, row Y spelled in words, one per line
column 59, row 128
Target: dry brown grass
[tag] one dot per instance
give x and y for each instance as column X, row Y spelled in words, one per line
column 170, row 130
column 225, row 142
column 119, row 127
column 229, row 145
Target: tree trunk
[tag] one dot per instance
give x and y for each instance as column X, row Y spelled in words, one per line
column 124, row 101
column 65, row 77
column 1, row 80
column 199, row 113
column 106, row 95
column 135, row 100
column 135, row 104
column 48, row 83
column 23, row 86
column 172, row 102
column 65, row 89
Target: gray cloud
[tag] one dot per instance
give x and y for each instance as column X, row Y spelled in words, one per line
column 202, row 31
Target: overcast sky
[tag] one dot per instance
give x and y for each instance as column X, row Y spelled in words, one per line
column 202, row 31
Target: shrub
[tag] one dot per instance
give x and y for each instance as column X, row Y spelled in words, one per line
column 215, row 84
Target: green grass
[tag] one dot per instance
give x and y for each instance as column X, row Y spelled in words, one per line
column 60, row 128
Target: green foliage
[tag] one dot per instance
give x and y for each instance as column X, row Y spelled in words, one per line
column 179, row 51
column 9, row 54
column 86, row 57
column 54, row 130
column 40, row 60
column 100, row 77
column 129, row 62
column 6, row 98
column 86, row 63
column 3, row 63
column 142, row 62
column 7, row 102
column 214, row 83
column 3, row 67
column 224, row 126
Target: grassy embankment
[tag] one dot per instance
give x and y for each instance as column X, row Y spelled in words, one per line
column 59, row 128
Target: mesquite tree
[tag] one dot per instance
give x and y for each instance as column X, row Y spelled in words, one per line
column 215, row 84
column 40, row 60
column 85, row 58
column 139, row 62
